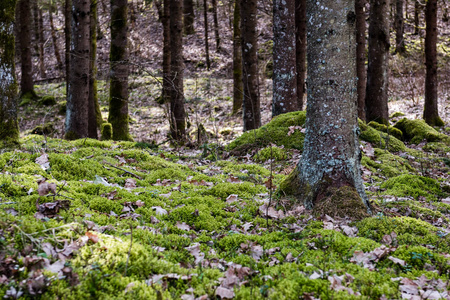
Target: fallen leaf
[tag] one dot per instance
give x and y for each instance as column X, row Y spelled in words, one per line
column 43, row 161
column 224, row 293
column 183, row 226
column 159, row 210
column 44, row 188
column 130, row 183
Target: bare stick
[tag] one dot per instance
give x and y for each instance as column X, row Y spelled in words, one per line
column 137, row 176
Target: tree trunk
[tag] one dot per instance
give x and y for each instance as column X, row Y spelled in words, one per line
column 329, row 173
column 361, row 57
column 177, row 112
column 94, row 114
column 399, row 28
column 167, row 81
column 300, row 49
column 26, row 80
column 78, row 100
column 55, row 40
column 188, row 17
column 284, row 58
column 377, row 71
column 67, row 35
column 205, row 17
column 9, row 127
column 430, row 111
column 238, row 86
column 39, row 37
column 251, row 106
column 416, row 17
column 216, row 24
column 118, row 57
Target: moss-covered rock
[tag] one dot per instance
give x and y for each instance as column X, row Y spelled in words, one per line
column 380, row 139
column 417, row 131
column 274, row 153
column 276, row 132
column 45, row 129
column 412, row 185
column 387, row 164
column 106, row 130
column 388, row 129
column 47, row 100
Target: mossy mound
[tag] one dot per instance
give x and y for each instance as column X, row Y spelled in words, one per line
column 276, row 132
column 45, row 129
column 412, row 185
column 387, row 164
column 379, row 139
column 274, row 153
column 47, row 101
column 416, row 131
column 387, row 129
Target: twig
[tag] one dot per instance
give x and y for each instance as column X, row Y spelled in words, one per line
column 6, row 203
column 129, row 251
column 131, row 173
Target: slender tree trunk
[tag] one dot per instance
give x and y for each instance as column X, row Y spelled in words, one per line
column 238, row 86
column 39, row 37
column 41, row 41
column 55, row 40
column 78, row 99
column 118, row 92
column 9, row 127
column 177, row 112
column 300, row 49
column 284, row 58
column 329, row 174
column 167, row 81
column 361, row 57
column 26, row 80
column 205, row 17
column 431, row 112
column 416, row 17
column 67, row 35
column 188, row 17
column 94, row 114
column 377, row 71
column 216, row 24
column 251, row 106
column 399, row 28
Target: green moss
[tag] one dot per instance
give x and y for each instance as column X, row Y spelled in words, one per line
column 45, row 129
column 391, row 130
column 379, row 138
column 387, row 164
column 275, row 153
column 397, row 114
column 106, row 130
column 243, row 190
column 412, row 185
column 416, row 131
column 62, row 108
column 276, row 132
column 47, row 100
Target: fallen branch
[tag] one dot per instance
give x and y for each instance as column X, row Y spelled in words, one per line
column 131, row 173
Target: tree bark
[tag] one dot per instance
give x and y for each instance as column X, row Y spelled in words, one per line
column 431, row 112
column 78, row 100
column 26, row 80
column 399, row 28
column 167, row 81
column 284, row 58
column 188, row 17
column 216, row 24
column 9, row 127
column 327, row 166
column 361, row 57
column 251, row 105
column 377, row 71
column 39, row 37
column 300, row 49
column 55, row 40
column 67, row 35
column 205, row 17
column 94, row 114
column 238, row 86
column 118, row 57
column 177, row 112
column 416, row 16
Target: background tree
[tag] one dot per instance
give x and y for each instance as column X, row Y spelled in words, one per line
column 118, row 57
column 9, row 128
column 251, row 106
column 205, row 18
column 377, row 70
column 52, row 7
column 238, row 85
column 38, row 36
column 399, row 28
column 327, row 168
column 177, row 113
column 188, row 17
column 78, row 85
column 361, row 57
column 300, row 49
column 26, row 79
column 216, row 24
column 417, row 9
column 284, row 58
column 67, row 37
column 430, row 111
column 95, row 116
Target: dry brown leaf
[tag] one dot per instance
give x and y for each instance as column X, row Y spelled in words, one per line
column 130, row 183
column 44, row 188
column 224, row 293
column 183, row 226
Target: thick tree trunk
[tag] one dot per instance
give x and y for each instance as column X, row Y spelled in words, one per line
column 430, row 111
column 118, row 57
column 238, row 85
column 361, row 57
column 216, row 24
column 39, row 37
column 300, row 49
column 67, row 35
column 251, row 107
column 284, row 58
column 177, row 112
column 330, row 162
column 188, row 17
column 399, row 28
column 377, row 71
column 26, row 80
column 205, row 18
column 77, row 101
column 94, row 114
column 55, row 40
column 9, row 128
